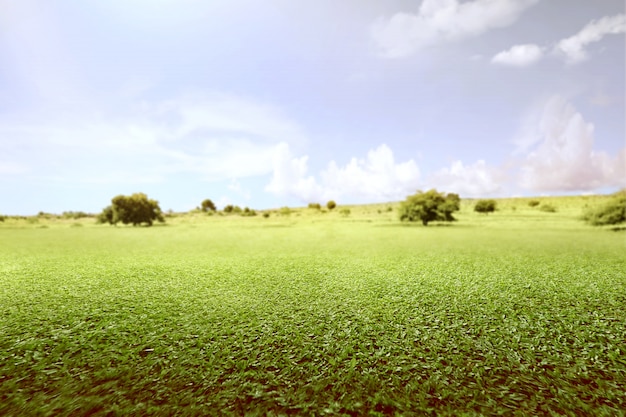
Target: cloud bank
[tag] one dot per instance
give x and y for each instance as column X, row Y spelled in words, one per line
column 375, row 178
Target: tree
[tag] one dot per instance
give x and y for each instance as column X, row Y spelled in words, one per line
column 134, row 209
column 613, row 212
column 207, row 205
column 485, row 206
column 429, row 206
column 331, row 204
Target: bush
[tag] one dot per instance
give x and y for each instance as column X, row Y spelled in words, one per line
column 485, row 206
column 134, row 209
column 613, row 212
column 429, row 206
column 548, row 208
column 345, row 212
column 316, row 206
column 248, row 213
column 2, row 218
column 533, row 203
column 229, row 208
column 331, row 205
column 237, row 210
column 266, row 215
column 75, row 215
column 284, row 211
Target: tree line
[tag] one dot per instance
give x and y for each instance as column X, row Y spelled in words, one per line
column 424, row 207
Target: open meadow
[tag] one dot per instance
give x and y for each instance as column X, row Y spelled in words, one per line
column 518, row 312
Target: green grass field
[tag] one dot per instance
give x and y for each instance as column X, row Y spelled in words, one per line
column 520, row 312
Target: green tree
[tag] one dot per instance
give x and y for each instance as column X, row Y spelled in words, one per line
column 613, row 212
column 207, row 205
column 485, row 206
column 429, row 206
column 331, row 204
column 134, row 209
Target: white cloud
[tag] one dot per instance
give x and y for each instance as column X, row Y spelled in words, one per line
column 573, row 48
column 564, row 158
column 472, row 180
column 442, row 21
column 375, row 178
column 519, row 55
column 290, row 177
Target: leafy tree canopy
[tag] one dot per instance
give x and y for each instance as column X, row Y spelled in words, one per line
column 429, row 206
column 134, row 209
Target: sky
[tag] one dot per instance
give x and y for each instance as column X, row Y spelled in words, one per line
column 280, row 103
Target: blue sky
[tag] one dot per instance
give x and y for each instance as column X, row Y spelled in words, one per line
column 274, row 103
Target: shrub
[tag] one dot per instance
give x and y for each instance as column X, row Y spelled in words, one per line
column 2, row 218
column 237, row 210
column 331, row 205
column 533, row 203
column 248, row 213
column 75, row 215
column 429, row 206
column 613, row 212
column 266, row 215
column 229, row 208
column 485, row 206
column 45, row 215
column 345, row 212
column 284, row 211
column 548, row 208
column 316, row 206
